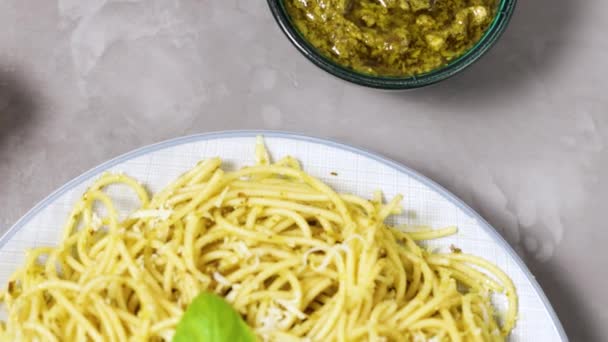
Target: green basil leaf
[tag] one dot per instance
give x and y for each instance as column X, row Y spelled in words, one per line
column 209, row 318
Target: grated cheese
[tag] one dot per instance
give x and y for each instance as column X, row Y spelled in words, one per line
column 290, row 306
column 96, row 222
column 221, row 279
column 242, row 249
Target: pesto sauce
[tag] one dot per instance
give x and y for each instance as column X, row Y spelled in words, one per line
column 392, row 37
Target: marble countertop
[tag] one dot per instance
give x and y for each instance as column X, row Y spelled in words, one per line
column 520, row 136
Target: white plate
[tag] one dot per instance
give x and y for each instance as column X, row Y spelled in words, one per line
column 358, row 172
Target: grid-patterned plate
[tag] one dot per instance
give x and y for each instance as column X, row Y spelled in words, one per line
column 347, row 169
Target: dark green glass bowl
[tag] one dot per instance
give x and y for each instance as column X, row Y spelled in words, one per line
column 503, row 15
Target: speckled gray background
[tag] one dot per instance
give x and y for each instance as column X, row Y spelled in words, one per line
column 520, row 136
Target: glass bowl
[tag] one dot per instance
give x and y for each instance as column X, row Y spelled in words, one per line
column 494, row 31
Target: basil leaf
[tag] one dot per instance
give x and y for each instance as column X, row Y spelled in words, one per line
column 209, row 318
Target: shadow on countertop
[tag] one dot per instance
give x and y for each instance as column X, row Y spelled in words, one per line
column 18, row 107
column 531, row 47
column 565, row 301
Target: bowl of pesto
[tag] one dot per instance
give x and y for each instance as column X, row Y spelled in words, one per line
column 393, row 44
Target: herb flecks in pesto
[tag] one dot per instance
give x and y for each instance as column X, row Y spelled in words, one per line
column 392, row 37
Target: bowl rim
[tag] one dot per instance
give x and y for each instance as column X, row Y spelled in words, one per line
column 490, row 37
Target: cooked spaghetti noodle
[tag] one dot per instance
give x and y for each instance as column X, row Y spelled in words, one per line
column 296, row 259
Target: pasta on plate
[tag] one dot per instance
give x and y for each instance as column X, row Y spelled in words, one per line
column 297, row 260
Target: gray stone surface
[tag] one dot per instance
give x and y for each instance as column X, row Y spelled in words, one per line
column 520, row 136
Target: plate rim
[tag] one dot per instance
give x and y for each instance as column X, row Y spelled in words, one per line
column 100, row 168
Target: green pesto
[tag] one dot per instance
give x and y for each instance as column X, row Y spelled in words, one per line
column 392, row 37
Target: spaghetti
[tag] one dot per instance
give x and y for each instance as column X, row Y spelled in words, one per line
column 297, row 260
